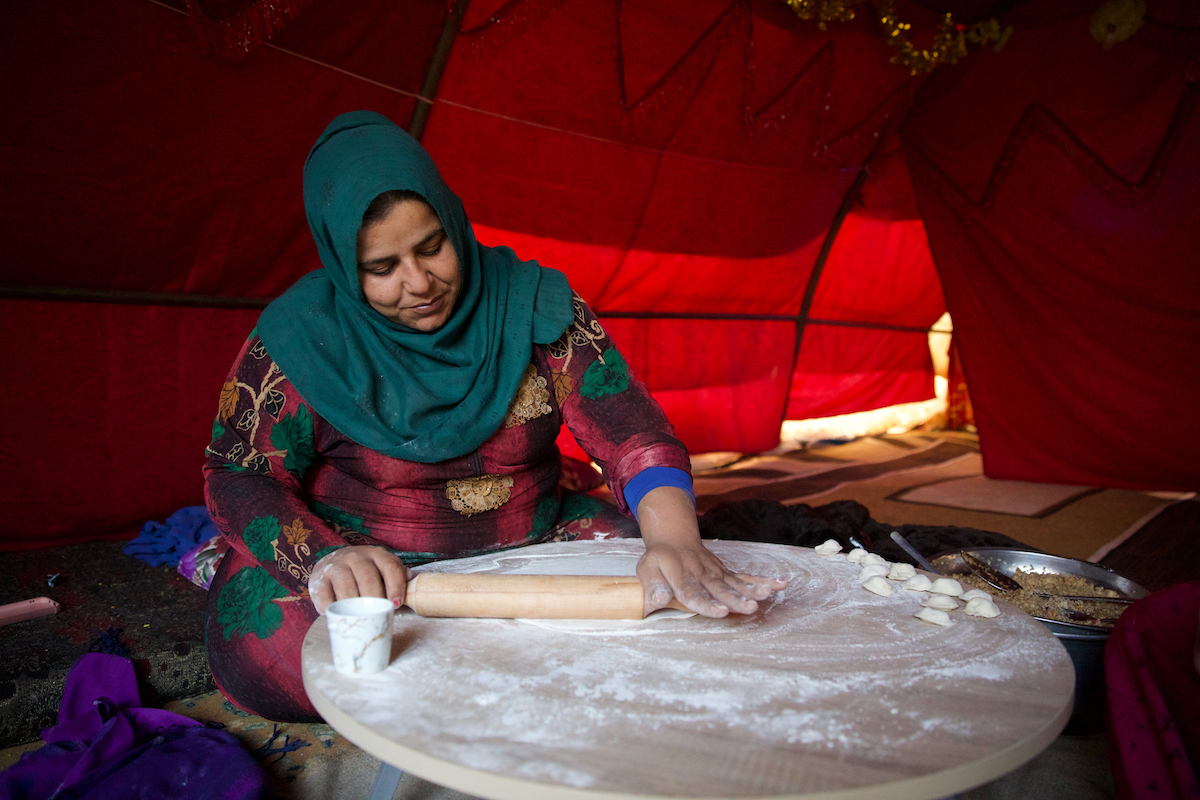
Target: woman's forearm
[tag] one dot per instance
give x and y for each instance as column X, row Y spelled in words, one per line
column 677, row 564
column 667, row 515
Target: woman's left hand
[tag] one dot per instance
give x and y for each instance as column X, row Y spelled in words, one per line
column 677, row 564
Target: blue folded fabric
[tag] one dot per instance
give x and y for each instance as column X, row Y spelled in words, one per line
column 166, row 543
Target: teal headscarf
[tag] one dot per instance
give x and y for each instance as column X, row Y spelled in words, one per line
column 417, row 396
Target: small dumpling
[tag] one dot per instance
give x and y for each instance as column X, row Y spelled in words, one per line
column 855, row 556
column 879, row 585
column 901, row 572
column 981, row 607
column 934, row 617
column 947, row 586
column 918, row 583
column 875, row 558
column 870, row 571
column 829, row 547
column 971, row 594
column 941, row 602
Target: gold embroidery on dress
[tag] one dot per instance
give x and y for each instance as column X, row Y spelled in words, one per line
column 285, row 563
column 476, row 495
column 580, row 333
column 530, row 400
column 563, row 382
column 251, row 417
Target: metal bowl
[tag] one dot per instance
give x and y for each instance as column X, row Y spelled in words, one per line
column 1084, row 643
column 1008, row 560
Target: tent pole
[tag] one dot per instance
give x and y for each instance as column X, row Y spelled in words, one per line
column 814, row 279
column 437, row 64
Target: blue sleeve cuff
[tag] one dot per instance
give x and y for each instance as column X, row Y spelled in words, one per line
column 651, row 478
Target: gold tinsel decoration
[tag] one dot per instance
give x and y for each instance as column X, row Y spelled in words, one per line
column 823, row 10
column 949, row 42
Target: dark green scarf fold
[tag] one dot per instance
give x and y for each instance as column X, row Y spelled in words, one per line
column 417, row 396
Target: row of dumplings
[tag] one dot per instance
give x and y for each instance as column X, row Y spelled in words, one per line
column 877, row 574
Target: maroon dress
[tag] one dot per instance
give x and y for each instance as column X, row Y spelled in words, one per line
column 286, row 488
column 1152, row 669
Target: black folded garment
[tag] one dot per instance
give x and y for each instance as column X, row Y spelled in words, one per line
column 845, row 521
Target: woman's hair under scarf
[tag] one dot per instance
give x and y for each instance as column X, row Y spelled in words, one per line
column 417, row 396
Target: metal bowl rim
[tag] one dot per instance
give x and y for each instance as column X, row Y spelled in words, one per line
column 1072, row 629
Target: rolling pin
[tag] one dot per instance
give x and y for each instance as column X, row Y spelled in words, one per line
column 434, row 594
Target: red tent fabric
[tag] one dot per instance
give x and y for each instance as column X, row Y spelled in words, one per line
column 1058, row 183
column 686, row 164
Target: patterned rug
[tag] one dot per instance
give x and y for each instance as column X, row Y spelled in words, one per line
column 937, row 480
column 981, row 493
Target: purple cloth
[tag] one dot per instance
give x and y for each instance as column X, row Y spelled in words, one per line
column 166, row 543
column 106, row 746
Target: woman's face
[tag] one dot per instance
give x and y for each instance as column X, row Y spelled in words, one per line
column 407, row 267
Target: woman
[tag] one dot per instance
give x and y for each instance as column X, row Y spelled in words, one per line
column 401, row 406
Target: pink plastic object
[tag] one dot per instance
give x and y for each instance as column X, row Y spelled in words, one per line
column 27, row 609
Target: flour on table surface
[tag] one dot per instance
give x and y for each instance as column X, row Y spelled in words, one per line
column 823, row 674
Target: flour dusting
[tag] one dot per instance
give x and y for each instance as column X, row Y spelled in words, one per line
column 824, row 674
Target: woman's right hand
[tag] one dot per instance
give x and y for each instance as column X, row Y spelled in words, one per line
column 357, row 571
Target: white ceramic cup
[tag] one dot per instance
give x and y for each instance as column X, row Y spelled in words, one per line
column 360, row 634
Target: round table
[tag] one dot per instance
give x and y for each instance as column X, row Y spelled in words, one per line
column 827, row 691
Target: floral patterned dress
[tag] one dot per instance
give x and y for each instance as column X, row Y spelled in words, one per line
column 286, row 488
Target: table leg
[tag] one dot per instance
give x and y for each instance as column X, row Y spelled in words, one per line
column 386, row 781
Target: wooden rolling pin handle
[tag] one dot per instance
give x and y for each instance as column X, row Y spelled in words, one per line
column 433, row 594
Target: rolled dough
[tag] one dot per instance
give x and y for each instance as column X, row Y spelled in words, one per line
column 918, row 583
column 601, row 625
column 947, row 586
column 941, row 602
column 870, row 570
column 982, row 607
column 829, row 547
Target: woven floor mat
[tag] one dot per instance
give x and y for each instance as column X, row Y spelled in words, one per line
column 1163, row 551
column 921, row 479
column 306, row 761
